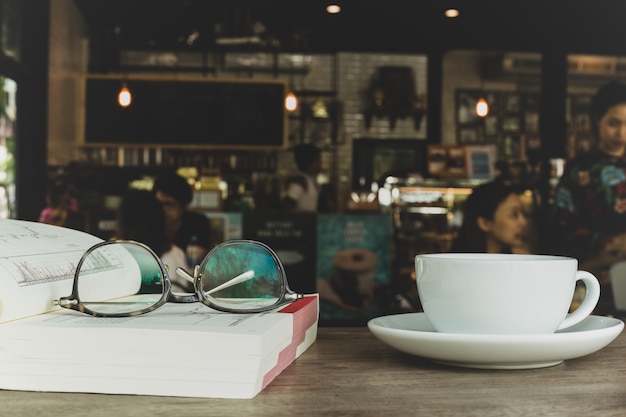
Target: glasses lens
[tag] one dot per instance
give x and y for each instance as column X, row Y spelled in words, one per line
column 242, row 276
column 120, row 278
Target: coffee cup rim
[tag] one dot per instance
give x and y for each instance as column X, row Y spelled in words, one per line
column 459, row 257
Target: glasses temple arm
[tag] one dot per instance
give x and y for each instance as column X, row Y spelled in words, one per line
column 233, row 281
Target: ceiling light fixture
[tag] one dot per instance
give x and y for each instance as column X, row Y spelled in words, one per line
column 482, row 107
column 452, row 13
column 291, row 102
column 124, row 98
column 333, row 8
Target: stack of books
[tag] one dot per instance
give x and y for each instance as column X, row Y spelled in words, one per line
column 185, row 350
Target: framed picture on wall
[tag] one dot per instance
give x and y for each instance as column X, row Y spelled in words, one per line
column 492, row 127
column 468, row 136
column 466, row 107
column 447, row 161
column 512, row 103
column 531, row 122
column 457, row 162
column 493, row 99
column 511, row 124
column 437, row 160
column 481, row 162
column 510, row 146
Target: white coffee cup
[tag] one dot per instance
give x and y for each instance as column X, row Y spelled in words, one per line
column 502, row 294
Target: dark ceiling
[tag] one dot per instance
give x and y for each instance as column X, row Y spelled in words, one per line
column 581, row 26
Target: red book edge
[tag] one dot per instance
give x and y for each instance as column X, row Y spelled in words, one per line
column 305, row 315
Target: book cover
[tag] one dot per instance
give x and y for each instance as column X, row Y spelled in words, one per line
column 353, row 266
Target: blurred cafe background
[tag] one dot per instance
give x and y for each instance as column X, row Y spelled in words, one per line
column 387, row 90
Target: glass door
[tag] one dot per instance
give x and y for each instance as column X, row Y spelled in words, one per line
column 8, row 117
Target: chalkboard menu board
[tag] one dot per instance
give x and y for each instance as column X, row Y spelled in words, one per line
column 187, row 112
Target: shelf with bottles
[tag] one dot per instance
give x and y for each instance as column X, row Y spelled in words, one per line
column 154, row 156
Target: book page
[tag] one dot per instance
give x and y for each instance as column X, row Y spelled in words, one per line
column 37, row 264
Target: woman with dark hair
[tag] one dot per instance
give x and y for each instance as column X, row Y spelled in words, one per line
column 493, row 221
column 589, row 211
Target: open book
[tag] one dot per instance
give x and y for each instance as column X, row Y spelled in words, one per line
column 177, row 350
column 37, row 264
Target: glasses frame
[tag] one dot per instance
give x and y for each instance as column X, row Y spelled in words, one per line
column 73, row 302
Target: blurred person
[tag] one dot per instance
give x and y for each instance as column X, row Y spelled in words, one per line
column 189, row 230
column 493, row 221
column 140, row 217
column 61, row 207
column 589, row 213
column 303, row 191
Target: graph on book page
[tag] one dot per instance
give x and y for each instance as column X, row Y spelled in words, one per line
column 36, row 253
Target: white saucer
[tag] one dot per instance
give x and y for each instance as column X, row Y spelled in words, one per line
column 414, row 334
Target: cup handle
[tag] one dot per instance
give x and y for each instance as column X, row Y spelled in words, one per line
column 589, row 302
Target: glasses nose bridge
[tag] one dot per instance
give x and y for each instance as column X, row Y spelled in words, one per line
column 183, row 298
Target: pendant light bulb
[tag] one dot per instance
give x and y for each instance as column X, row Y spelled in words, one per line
column 291, row 102
column 124, row 97
column 482, row 107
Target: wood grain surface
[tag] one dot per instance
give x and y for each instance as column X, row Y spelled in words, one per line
column 348, row 372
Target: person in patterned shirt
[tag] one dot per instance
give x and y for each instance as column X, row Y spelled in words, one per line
column 589, row 210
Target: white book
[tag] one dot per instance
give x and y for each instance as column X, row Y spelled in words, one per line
column 186, row 350
column 177, row 350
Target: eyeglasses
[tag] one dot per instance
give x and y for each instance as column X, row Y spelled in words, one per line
column 124, row 278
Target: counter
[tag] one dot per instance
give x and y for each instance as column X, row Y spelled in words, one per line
column 349, row 372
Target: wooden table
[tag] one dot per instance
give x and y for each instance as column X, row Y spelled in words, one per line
column 348, row 372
